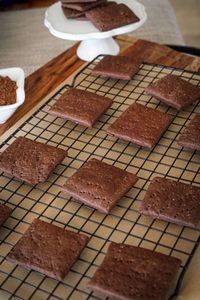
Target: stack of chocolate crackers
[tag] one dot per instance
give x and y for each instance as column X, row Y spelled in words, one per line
column 104, row 15
column 76, row 9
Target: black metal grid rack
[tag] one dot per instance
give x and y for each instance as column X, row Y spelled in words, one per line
column 124, row 224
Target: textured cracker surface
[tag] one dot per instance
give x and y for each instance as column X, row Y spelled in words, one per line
column 130, row 272
column 174, row 91
column 190, row 137
column 30, row 160
column 99, row 185
column 111, row 16
column 140, row 125
column 80, row 106
column 119, row 67
column 172, row 201
column 48, row 249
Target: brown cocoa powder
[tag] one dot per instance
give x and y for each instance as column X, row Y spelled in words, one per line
column 8, row 89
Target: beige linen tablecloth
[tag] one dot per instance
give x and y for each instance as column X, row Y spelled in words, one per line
column 25, row 42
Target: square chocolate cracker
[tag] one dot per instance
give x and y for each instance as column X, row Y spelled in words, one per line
column 30, row 161
column 72, row 13
column 80, row 106
column 5, row 212
column 190, row 137
column 99, row 185
column 172, row 201
column 111, row 16
column 48, row 249
column 79, row 1
column 141, row 125
column 174, row 91
column 129, row 272
column 83, row 6
column 117, row 67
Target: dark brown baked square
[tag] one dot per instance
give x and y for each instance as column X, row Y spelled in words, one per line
column 83, row 6
column 5, row 212
column 174, row 91
column 129, row 272
column 48, row 249
column 75, row 1
column 72, row 13
column 30, row 160
column 80, row 106
column 141, row 125
column 118, row 67
column 99, row 185
column 172, row 201
column 111, row 16
column 190, row 137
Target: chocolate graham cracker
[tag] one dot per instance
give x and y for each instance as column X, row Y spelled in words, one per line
column 79, row 1
column 174, row 91
column 83, row 6
column 111, row 16
column 129, row 272
column 141, row 125
column 5, row 212
column 30, row 161
column 48, row 249
column 72, row 13
column 172, row 201
column 80, row 106
column 99, row 185
column 190, row 137
column 117, row 67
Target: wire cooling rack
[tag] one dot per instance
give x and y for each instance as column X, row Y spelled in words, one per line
column 124, row 224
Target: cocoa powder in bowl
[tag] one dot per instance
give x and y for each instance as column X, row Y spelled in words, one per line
column 8, row 89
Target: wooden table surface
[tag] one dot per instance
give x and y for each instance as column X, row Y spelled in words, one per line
column 46, row 79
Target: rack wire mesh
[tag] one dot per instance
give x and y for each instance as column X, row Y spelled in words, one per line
column 124, row 223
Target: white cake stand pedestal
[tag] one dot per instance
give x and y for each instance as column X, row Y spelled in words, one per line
column 93, row 42
column 91, row 48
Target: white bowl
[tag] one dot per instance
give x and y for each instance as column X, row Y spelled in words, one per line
column 16, row 74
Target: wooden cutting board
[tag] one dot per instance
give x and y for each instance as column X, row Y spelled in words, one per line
column 46, row 79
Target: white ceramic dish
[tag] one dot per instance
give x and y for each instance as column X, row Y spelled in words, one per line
column 94, row 42
column 16, row 74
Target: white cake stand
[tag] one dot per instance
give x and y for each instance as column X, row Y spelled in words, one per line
column 93, row 42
